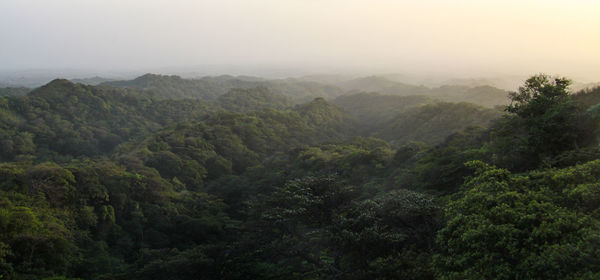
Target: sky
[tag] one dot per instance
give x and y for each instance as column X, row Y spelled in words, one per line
column 463, row 37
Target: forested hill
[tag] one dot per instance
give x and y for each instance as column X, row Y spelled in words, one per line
column 300, row 90
column 402, row 119
column 210, row 88
column 374, row 107
column 104, row 182
column 13, row 91
column 381, row 85
column 253, row 99
column 432, row 123
column 589, row 97
column 228, row 143
column 482, row 95
column 63, row 119
column 93, row 81
column 174, row 87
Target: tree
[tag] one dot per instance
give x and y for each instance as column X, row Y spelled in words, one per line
column 388, row 236
column 295, row 225
column 503, row 226
column 552, row 121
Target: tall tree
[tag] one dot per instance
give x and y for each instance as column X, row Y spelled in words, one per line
column 551, row 120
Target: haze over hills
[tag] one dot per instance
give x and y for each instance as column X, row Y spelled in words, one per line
column 299, row 140
column 154, row 101
column 35, row 78
column 484, row 91
column 93, row 81
column 209, row 88
column 235, row 161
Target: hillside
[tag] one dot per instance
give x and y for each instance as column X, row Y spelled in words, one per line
column 588, row 97
column 13, row 91
column 67, row 119
column 229, row 143
column 487, row 96
column 483, row 95
column 92, row 81
column 372, row 110
column 402, row 119
column 174, row 87
column 382, row 85
column 210, row 88
column 104, row 182
column 253, row 99
column 432, row 123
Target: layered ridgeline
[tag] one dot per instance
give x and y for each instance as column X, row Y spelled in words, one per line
column 304, row 89
column 210, row 88
column 402, row 119
column 228, row 143
column 63, row 119
column 112, row 183
column 484, row 95
column 253, row 99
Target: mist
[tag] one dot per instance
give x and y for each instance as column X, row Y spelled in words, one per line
column 286, row 37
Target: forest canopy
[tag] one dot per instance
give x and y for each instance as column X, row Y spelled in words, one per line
column 226, row 177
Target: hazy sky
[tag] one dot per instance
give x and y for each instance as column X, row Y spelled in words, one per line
column 474, row 37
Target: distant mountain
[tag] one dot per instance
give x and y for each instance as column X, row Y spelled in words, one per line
column 481, row 95
column 303, row 91
column 322, row 113
column 402, row 119
column 381, row 85
column 210, row 88
column 230, row 77
column 589, row 96
column 171, row 87
column 509, row 83
column 329, row 79
column 93, row 81
column 432, row 123
column 576, row 86
column 253, row 99
column 14, row 91
column 372, row 110
column 33, row 78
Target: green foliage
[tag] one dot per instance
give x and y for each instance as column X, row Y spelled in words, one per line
column 35, row 239
column 442, row 168
column 552, row 122
column 174, row 87
column 433, row 123
column 589, row 97
column 14, row 91
column 520, row 227
column 317, row 227
column 112, row 183
column 211, row 88
column 382, row 85
column 385, row 228
column 245, row 100
column 481, row 95
column 373, row 110
column 62, row 120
